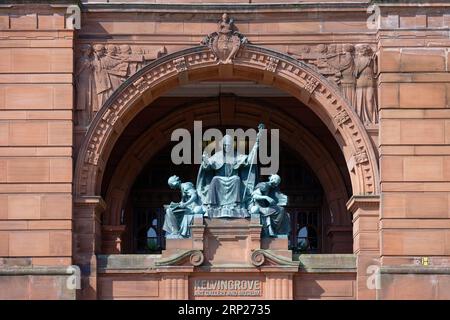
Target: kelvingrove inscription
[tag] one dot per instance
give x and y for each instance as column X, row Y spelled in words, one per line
column 216, row 287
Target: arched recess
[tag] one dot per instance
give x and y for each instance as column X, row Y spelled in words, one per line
column 252, row 63
column 246, row 114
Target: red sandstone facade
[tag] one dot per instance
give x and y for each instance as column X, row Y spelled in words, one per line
column 376, row 137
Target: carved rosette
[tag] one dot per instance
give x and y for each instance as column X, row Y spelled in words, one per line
column 196, row 258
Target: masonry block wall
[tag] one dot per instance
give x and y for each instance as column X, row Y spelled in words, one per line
column 414, row 93
column 36, row 100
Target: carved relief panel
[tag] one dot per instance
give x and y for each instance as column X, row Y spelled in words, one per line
column 101, row 69
column 352, row 68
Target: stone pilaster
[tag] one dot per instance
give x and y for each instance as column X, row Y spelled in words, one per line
column 87, row 242
column 174, row 286
column 366, row 217
column 279, row 286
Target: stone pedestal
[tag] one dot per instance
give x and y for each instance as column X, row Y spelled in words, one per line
column 228, row 241
column 230, row 260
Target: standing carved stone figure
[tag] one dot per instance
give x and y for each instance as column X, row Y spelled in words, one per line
column 365, row 104
column 347, row 69
column 179, row 216
column 108, row 72
column 101, row 77
column 132, row 59
column 85, row 86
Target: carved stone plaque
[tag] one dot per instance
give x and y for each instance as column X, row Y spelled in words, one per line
column 227, row 288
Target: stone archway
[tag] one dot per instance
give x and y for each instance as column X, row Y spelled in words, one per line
column 196, row 64
column 252, row 63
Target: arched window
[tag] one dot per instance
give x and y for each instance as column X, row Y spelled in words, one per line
column 150, row 236
column 305, row 238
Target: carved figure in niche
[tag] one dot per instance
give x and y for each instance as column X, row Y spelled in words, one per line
column 179, row 216
column 347, row 68
column 101, row 76
column 269, row 202
column 365, row 70
column 86, row 104
column 225, row 43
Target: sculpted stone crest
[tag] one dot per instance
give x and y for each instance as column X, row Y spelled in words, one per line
column 226, row 41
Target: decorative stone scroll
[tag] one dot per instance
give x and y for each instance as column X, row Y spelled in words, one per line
column 194, row 257
column 226, row 41
column 261, row 257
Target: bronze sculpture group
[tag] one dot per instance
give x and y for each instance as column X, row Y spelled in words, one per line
column 226, row 188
